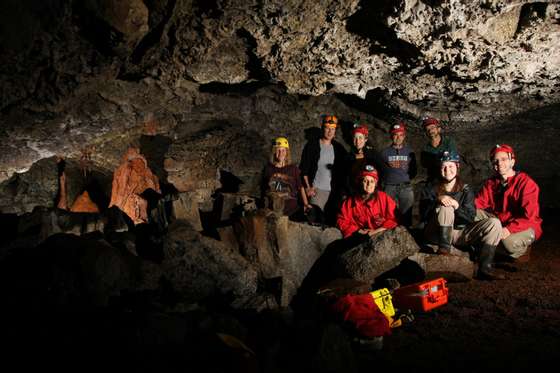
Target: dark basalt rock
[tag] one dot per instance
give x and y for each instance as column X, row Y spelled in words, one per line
column 199, row 267
column 377, row 255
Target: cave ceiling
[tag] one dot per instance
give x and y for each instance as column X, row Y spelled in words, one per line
column 79, row 72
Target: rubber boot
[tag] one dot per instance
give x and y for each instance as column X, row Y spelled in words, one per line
column 486, row 258
column 445, row 239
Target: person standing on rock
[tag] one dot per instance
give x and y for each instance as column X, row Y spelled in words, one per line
column 322, row 169
column 282, row 177
column 434, row 149
column 362, row 154
column 400, row 163
column 369, row 213
column 447, row 209
column 513, row 197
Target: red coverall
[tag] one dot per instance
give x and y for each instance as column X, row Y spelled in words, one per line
column 357, row 214
column 518, row 206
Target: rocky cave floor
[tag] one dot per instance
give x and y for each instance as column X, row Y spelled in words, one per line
column 511, row 325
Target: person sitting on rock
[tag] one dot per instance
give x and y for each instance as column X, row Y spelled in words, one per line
column 362, row 154
column 447, row 209
column 401, row 168
column 282, row 178
column 513, row 197
column 322, row 169
column 434, row 149
column 370, row 212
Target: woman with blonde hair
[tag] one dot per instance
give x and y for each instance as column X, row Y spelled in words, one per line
column 281, row 176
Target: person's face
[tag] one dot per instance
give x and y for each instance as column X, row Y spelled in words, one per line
column 398, row 138
column 449, row 170
column 329, row 132
column 281, row 154
column 369, row 183
column 432, row 131
column 359, row 141
column 503, row 163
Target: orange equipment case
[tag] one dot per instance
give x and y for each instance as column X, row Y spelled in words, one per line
column 422, row 296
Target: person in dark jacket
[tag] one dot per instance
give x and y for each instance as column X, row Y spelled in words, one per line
column 435, row 147
column 322, row 169
column 447, row 208
column 401, row 168
column 362, row 154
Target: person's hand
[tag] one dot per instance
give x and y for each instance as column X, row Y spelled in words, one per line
column 448, row 201
column 373, row 232
column 311, row 191
column 505, row 233
column 363, row 231
column 306, row 208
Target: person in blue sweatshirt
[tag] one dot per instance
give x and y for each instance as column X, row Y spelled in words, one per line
column 401, row 168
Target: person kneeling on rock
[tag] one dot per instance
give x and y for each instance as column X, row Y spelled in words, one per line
column 370, row 212
column 447, row 209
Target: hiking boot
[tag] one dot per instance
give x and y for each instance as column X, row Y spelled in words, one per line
column 489, row 274
column 485, row 269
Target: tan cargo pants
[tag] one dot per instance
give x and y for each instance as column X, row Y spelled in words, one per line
column 517, row 243
column 484, row 231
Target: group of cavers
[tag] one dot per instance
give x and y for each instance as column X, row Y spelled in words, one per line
column 365, row 192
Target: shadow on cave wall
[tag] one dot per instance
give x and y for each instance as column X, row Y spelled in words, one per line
column 154, row 149
column 211, row 220
column 375, row 103
column 369, row 22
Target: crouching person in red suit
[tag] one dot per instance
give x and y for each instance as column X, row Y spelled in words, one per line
column 368, row 213
column 513, row 197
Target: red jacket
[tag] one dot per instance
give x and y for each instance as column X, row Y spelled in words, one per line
column 358, row 214
column 363, row 314
column 517, row 208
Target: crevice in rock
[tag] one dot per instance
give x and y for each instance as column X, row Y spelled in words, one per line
column 375, row 102
column 241, row 89
column 254, row 65
column 207, row 8
column 151, row 40
column 432, row 3
column 369, row 22
column 103, row 37
column 530, row 13
column 153, row 37
column 451, row 76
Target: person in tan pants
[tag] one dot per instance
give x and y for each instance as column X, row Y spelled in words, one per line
column 512, row 197
column 447, row 208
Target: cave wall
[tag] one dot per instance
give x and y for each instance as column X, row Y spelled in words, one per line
column 217, row 80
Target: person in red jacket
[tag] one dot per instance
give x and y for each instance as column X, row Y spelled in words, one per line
column 512, row 197
column 369, row 213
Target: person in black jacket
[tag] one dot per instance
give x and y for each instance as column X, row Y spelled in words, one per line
column 362, row 154
column 322, row 169
column 447, row 208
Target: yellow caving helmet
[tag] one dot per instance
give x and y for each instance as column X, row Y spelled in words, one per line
column 281, row 142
